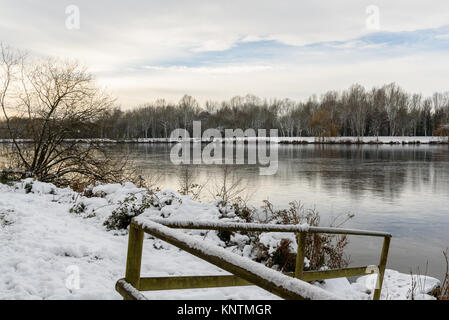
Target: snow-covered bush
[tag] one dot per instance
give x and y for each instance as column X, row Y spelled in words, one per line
column 9, row 176
column 238, row 211
column 6, row 218
column 31, row 185
column 88, row 192
column 322, row 250
column 127, row 209
column 83, row 210
column 278, row 250
column 28, row 187
column 78, row 208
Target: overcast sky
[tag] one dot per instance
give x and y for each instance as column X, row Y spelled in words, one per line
column 143, row 50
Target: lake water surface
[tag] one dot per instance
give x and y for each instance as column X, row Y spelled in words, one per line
column 396, row 188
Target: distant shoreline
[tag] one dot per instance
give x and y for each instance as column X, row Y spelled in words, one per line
column 280, row 140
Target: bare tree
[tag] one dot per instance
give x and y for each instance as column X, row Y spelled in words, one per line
column 356, row 100
column 387, row 110
column 55, row 100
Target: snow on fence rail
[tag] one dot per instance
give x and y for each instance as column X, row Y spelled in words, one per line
column 245, row 271
column 238, row 226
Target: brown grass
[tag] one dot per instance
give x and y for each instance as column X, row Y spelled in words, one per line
column 443, row 291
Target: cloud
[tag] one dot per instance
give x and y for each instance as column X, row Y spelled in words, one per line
column 219, row 48
column 419, row 73
column 442, row 36
column 229, row 69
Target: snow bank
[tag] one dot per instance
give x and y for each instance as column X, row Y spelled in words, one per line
column 400, row 286
column 45, row 244
column 43, row 247
column 365, row 140
column 368, row 140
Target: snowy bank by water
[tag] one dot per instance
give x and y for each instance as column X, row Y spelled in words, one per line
column 46, row 240
column 364, row 140
column 280, row 140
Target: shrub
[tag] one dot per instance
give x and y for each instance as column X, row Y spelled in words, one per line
column 238, row 211
column 78, row 208
column 8, row 176
column 243, row 211
column 4, row 178
column 127, row 209
column 322, row 250
column 283, row 257
column 28, row 187
column 88, row 192
column 5, row 217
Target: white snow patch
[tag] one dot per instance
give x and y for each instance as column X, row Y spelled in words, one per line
column 41, row 241
column 398, row 286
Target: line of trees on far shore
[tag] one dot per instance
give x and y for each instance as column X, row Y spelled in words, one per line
column 382, row 111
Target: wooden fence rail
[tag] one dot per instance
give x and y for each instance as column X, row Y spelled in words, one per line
column 133, row 283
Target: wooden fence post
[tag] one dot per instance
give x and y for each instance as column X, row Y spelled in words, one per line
column 299, row 268
column 382, row 266
column 134, row 258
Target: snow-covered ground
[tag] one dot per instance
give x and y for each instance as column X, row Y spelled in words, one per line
column 43, row 247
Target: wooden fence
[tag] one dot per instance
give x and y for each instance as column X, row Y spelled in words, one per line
column 133, row 283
